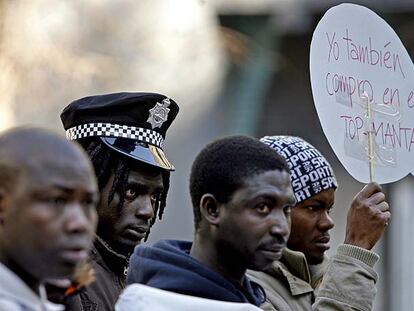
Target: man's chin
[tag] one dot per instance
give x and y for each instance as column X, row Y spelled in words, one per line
column 59, row 271
column 315, row 260
column 262, row 265
column 126, row 246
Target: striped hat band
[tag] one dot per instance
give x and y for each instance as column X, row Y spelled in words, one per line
column 115, row 130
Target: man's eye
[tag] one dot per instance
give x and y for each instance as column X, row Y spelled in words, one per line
column 263, row 208
column 154, row 197
column 57, row 201
column 130, row 193
column 311, row 208
column 287, row 209
column 89, row 203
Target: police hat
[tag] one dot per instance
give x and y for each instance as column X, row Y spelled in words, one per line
column 133, row 124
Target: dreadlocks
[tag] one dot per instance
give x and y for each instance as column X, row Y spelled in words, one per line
column 106, row 162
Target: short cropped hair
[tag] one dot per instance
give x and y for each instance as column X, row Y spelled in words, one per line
column 223, row 165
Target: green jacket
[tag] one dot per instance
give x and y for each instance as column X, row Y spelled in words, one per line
column 348, row 282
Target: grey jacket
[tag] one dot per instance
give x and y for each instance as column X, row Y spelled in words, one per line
column 348, row 283
column 15, row 295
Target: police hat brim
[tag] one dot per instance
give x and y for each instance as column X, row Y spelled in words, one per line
column 143, row 152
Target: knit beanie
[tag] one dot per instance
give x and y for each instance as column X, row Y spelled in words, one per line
column 310, row 171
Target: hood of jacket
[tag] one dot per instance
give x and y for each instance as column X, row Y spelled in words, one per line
column 167, row 265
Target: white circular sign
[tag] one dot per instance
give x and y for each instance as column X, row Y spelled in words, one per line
column 363, row 85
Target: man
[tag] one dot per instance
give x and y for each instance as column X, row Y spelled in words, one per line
column 48, row 194
column 290, row 282
column 123, row 134
column 241, row 196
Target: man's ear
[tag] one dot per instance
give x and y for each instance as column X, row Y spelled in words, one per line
column 210, row 208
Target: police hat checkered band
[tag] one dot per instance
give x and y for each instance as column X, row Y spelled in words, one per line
column 310, row 172
column 115, row 130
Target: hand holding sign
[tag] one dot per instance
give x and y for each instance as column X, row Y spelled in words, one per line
column 362, row 83
column 367, row 218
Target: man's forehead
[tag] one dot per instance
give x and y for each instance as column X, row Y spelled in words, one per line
column 267, row 178
column 152, row 177
column 141, row 168
column 270, row 183
column 58, row 171
column 325, row 198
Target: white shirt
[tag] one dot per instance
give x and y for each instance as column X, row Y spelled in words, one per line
column 138, row 297
column 15, row 295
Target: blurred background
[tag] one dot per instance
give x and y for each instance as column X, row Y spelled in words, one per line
column 234, row 67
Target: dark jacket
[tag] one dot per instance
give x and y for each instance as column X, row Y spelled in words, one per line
column 167, row 265
column 110, row 273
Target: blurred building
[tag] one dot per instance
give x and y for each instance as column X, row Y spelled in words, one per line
column 234, row 67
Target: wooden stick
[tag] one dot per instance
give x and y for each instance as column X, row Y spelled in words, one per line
column 370, row 140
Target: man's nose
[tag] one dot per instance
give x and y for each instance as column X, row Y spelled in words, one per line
column 280, row 225
column 325, row 222
column 80, row 220
column 145, row 207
